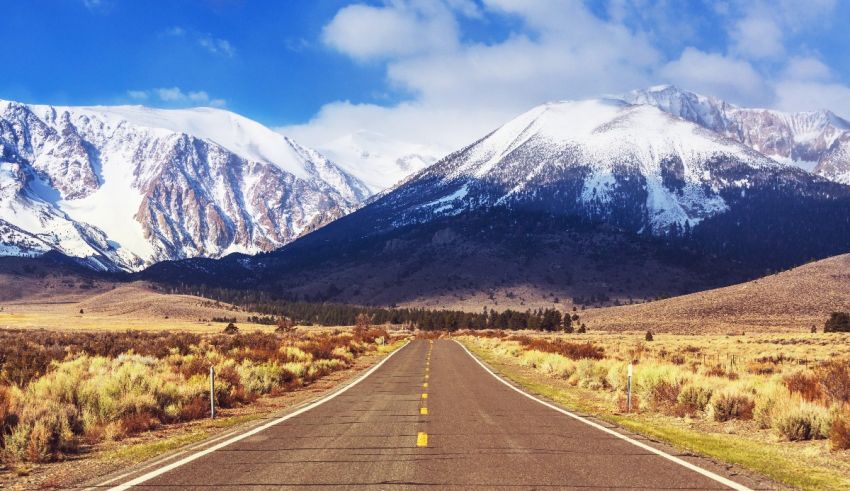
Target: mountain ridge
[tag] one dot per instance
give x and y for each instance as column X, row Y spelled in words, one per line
column 126, row 186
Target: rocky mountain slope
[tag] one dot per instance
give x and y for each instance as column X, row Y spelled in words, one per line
column 587, row 201
column 124, row 187
column 818, row 141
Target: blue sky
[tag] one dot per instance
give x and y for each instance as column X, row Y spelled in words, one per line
column 438, row 71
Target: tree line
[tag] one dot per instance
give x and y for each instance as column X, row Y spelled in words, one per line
column 334, row 314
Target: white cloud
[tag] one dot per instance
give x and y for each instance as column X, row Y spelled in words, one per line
column 137, row 94
column 569, row 52
column 812, row 95
column 217, row 46
column 806, row 68
column 176, row 96
column 757, row 36
column 402, row 28
column 717, row 75
column 460, row 88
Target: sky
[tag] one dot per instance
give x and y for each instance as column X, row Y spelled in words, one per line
column 436, row 72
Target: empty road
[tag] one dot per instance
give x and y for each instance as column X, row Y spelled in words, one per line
column 430, row 416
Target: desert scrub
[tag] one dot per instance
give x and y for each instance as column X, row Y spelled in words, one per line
column 89, row 392
column 772, row 390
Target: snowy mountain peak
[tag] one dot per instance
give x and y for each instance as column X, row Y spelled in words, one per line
column 805, row 139
column 632, row 165
column 127, row 186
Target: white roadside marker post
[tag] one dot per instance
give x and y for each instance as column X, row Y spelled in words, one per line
column 629, row 388
column 212, row 392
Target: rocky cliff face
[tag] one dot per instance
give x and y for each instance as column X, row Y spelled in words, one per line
column 129, row 186
column 815, row 141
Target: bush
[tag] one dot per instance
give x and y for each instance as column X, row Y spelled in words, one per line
column 231, row 329
column 805, row 384
column 694, row 398
column 839, row 431
column 834, row 378
column 649, row 335
column 732, row 405
column 837, row 322
column 804, row 422
column 43, row 433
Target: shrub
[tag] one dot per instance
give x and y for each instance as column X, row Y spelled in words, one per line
column 648, row 336
column 837, row 322
column 805, row 384
column 231, row 329
column 43, row 433
column 665, row 394
column 834, row 377
column 839, row 431
column 694, row 398
column 803, row 422
column 730, row 405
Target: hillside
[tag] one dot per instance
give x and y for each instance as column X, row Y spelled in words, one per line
column 50, row 294
column 792, row 300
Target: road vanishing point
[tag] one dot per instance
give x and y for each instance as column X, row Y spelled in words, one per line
column 430, row 415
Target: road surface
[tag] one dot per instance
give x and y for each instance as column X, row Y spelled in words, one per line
column 430, row 416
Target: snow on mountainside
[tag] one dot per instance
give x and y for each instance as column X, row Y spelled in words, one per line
column 815, row 141
column 378, row 160
column 631, row 165
column 127, row 186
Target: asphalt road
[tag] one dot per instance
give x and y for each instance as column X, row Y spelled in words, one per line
column 475, row 432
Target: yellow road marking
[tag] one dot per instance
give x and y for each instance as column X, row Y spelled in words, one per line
column 422, row 439
column 424, row 395
column 425, row 385
column 423, row 410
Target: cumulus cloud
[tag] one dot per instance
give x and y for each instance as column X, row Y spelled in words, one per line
column 717, row 75
column 366, row 32
column 480, row 84
column 175, row 96
column 758, row 36
column 458, row 87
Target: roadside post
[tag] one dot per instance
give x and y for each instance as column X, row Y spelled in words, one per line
column 212, row 392
column 629, row 389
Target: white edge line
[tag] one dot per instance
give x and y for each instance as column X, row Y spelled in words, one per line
column 672, row 458
column 252, row 432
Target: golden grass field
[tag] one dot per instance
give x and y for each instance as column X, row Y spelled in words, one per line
column 119, row 306
column 790, row 301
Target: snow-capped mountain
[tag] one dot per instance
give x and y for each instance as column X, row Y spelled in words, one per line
column 578, row 197
column 634, row 166
column 377, row 160
column 816, row 141
column 126, row 186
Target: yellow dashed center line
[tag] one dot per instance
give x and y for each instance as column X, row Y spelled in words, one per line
column 422, row 439
column 425, row 385
column 424, row 395
column 423, row 410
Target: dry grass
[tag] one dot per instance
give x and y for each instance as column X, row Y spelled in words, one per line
column 791, row 301
column 771, row 393
column 119, row 307
column 108, row 386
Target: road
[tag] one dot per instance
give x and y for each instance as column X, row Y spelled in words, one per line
column 431, row 416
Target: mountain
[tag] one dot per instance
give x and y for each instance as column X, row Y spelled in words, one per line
column 126, row 186
column 818, row 141
column 377, row 160
column 571, row 203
